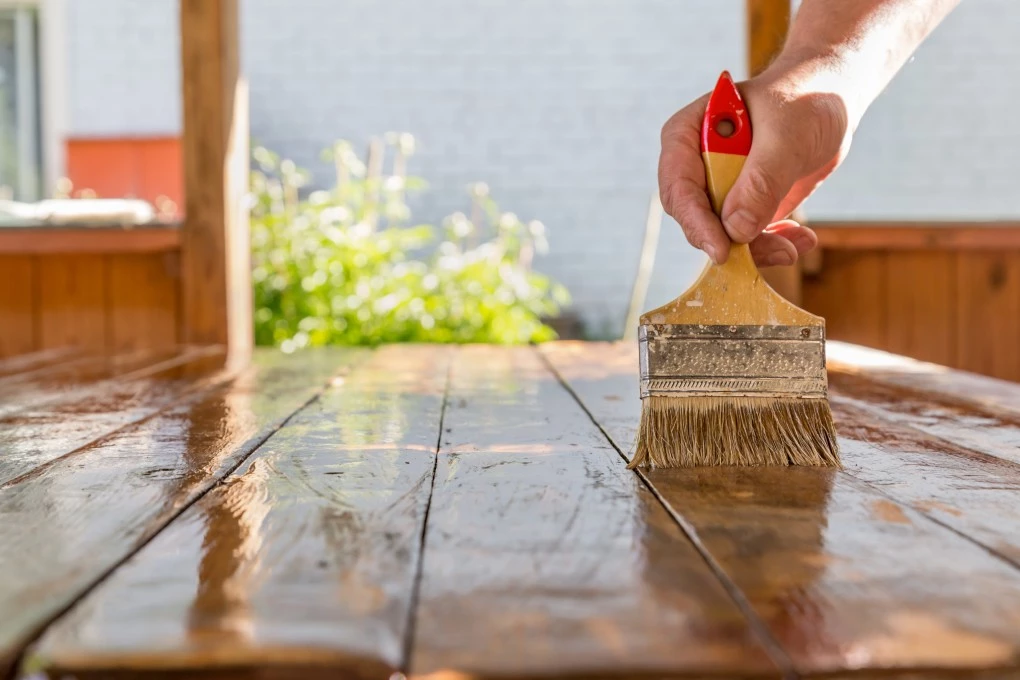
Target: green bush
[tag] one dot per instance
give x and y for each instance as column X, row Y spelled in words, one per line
column 346, row 266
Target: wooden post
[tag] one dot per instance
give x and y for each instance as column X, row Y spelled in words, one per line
column 215, row 253
column 767, row 24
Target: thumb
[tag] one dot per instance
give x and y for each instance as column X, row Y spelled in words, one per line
column 767, row 177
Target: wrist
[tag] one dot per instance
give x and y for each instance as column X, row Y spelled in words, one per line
column 808, row 71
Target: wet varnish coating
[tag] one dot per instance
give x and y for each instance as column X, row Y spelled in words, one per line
column 449, row 512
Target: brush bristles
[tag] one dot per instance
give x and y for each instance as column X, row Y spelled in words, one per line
column 745, row 431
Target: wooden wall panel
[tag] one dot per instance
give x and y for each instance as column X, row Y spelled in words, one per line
column 988, row 313
column 72, row 301
column 17, row 302
column 850, row 292
column 921, row 305
column 143, row 301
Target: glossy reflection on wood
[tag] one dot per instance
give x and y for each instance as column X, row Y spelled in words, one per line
column 843, row 574
column 34, row 361
column 303, row 561
column 545, row 556
column 79, row 415
column 64, row 528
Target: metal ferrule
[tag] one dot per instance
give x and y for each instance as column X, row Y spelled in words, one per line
column 754, row 361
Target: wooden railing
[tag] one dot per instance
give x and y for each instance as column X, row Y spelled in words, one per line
column 942, row 292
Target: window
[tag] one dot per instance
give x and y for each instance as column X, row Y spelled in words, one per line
column 20, row 160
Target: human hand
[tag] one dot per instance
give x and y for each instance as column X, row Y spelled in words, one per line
column 800, row 135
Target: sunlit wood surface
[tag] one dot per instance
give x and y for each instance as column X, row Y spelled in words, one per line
column 466, row 512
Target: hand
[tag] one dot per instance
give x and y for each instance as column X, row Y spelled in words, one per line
column 799, row 137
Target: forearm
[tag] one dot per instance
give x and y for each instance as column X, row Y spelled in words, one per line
column 854, row 47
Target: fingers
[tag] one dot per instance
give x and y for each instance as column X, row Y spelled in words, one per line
column 682, row 187
column 780, row 244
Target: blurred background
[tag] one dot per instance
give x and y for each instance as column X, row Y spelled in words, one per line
column 526, row 126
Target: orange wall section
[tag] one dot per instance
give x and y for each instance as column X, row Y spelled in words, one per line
column 128, row 167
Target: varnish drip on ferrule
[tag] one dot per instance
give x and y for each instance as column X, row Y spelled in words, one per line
column 731, row 372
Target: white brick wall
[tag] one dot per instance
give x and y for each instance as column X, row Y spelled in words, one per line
column 557, row 104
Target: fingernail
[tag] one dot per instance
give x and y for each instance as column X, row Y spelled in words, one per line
column 778, row 258
column 713, row 252
column 741, row 226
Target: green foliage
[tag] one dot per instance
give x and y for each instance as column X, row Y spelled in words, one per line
column 346, row 266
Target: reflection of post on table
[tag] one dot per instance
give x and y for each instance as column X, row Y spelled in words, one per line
column 230, row 562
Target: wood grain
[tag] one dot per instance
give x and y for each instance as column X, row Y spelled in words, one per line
column 988, row 313
column 215, row 258
column 844, row 576
column 921, row 304
column 33, row 438
column 851, row 293
column 545, row 557
column 144, row 301
column 72, row 301
column 17, row 304
column 63, row 530
column 303, row 561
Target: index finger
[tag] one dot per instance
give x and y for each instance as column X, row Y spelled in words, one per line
column 682, row 183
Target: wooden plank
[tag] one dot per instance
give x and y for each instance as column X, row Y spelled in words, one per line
column 215, row 258
column 302, row 563
column 972, row 493
column 144, row 301
column 992, row 434
column 851, row 293
column 921, row 303
column 64, row 530
column 52, row 240
column 72, row 301
column 988, row 314
column 942, row 383
column 545, row 557
column 17, row 303
column 35, row 361
column 953, row 236
column 33, row 438
column 845, row 577
column 99, row 378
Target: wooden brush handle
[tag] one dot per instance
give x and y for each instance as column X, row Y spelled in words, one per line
column 733, row 293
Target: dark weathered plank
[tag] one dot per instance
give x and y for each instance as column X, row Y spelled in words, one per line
column 41, row 434
column 93, row 379
column 991, row 433
column 64, row 529
column 34, row 361
column 843, row 576
column 940, row 382
column 972, row 493
column 544, row 556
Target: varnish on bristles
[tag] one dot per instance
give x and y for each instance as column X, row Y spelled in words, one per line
column 742, row 431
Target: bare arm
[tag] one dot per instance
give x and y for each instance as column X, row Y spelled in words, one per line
column 804, row 108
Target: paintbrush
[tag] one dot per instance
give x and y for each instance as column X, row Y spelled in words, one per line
column 731, row 372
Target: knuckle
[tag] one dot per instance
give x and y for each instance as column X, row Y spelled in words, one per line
column 761, row 188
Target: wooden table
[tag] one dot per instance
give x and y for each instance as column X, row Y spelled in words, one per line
column 466, row 512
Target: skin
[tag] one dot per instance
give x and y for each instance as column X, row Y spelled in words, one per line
column 804, row 109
